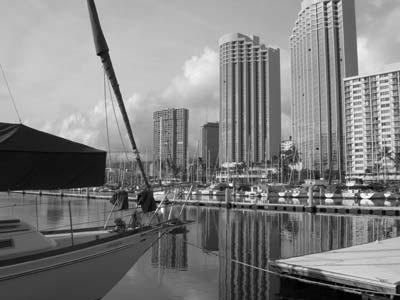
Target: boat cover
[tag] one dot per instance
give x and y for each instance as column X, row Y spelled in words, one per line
column 35, row 160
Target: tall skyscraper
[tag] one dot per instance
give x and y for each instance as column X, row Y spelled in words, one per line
column 372, row 110
column 323, row 52
column 209, row 144
column 250, row 100
column 170, row 141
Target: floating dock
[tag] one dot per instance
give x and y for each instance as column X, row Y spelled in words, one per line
column 373, row 267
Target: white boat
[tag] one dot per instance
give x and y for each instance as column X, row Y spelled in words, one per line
column 159, row 195
column 255, row 191
column 329, row 195
column 391, row 195
column 206, row 192
column 350, row 194
column 296, row 193
column 371, row 195
column 282, row 194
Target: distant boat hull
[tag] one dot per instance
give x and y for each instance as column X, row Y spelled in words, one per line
column 84, row 274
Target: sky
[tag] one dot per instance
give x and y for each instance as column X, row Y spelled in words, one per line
column 165, row 54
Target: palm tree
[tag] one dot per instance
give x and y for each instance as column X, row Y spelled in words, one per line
column 383, row 155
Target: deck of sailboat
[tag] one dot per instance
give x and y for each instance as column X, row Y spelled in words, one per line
column 82, row 238
column 64, row 239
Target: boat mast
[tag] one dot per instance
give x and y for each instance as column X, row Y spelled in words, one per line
column 103, row 51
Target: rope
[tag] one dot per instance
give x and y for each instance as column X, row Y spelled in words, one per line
column 11, row 95
column 116, row 120
column 106, row 116
column 353, row 290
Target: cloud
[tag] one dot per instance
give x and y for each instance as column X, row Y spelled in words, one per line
column 195, row 88
column 378, row 41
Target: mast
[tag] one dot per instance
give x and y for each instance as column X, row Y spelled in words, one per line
column 103, row 51
column 161, row 128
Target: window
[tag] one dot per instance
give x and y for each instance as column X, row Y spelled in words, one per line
column 6, row 243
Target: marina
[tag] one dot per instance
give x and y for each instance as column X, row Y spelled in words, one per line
column 204, row 260
column 259, row 203
column 262, row 165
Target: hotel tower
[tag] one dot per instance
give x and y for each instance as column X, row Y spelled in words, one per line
column 170, row 141
column 250, row 100
column 323, row 52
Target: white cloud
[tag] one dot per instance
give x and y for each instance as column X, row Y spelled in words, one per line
column 196, row 89
column 378, row 41
column 369, row 60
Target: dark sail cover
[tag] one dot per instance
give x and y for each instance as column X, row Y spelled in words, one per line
column 32, row 159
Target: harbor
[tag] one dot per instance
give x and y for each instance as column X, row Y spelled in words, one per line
column 204, row 260
column 149, row 152
column 388, row 206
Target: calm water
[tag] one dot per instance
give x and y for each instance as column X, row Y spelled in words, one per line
column 176, row 269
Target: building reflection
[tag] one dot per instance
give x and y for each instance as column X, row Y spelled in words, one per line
column 170, row 252
column 241, row 237
column 247, row 237
column 255, row 238
column 209, row 224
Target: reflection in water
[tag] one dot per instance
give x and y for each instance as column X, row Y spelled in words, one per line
column 170, row 252
column 256, row 237
column 208, row 220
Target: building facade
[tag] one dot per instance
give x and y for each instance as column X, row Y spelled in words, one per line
column 170, row 142
column 372, row 109
column 286, row 145
column 323, row 52
column 250, row 100
column 209, row 144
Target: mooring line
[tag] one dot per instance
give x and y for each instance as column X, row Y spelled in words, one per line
column 11, row 95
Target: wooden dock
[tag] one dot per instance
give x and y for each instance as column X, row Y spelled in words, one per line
column 374, row 267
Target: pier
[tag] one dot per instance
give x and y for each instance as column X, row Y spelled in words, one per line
column 270, row 204
column 373, row 267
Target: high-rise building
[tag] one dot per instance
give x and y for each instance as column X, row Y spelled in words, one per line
column 170, row 141
column 286, row 145
column 323, row 52
column 372, row 110
column 250, row 100
column 209, row 144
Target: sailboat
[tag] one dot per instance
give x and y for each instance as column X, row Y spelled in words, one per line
column 79, row 264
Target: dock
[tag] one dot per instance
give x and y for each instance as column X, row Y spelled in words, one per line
column 271, row 204
column 373, row 267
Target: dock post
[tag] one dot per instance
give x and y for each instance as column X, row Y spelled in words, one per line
column 227, row 198
column 311, row 199
column 87, row 193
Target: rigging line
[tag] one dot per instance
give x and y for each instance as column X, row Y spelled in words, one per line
column 11, row 95
column 116, row 120
column 106, row 115
column 333, row 286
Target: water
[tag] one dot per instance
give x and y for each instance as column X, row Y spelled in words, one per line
column 198, row 264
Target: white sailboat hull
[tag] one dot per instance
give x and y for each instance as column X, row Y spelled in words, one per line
column 85, row 274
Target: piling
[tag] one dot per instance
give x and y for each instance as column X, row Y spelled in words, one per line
column 311, row 206
column 227, row 197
